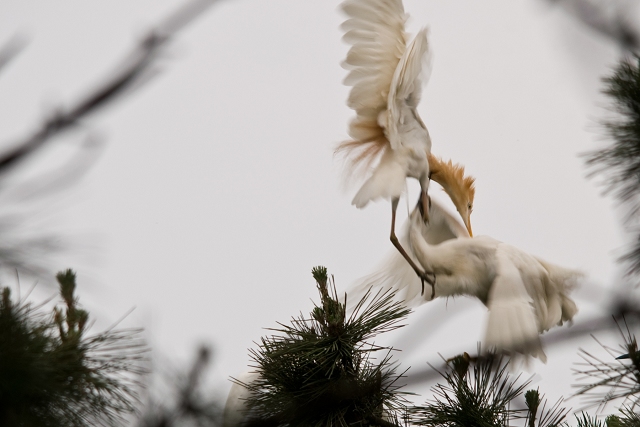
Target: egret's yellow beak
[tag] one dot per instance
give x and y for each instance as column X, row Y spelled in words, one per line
column 468, row 224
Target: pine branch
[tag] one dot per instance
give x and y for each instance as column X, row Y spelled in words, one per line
column 26, row 254
column 612, row 380
column 51, row 374
column 619, row 164
column 319, row 371
column 190, row 405
column 552, row 417
column 480, row 397
column 628, row 418
column 585, row 420
column 135, row 70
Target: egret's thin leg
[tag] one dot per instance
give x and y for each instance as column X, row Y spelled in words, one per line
column 424, row 277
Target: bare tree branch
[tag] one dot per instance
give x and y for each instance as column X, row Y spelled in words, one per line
column 22, row 246
column 622, row 308
column 11, row 49
column 134, row 69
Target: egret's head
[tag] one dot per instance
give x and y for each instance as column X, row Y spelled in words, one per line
column 459, row 187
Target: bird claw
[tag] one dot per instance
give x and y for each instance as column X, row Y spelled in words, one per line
column 426, row 277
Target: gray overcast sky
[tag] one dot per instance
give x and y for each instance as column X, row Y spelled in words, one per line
column 217, row 190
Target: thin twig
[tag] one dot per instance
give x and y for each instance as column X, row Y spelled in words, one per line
column 134, row 70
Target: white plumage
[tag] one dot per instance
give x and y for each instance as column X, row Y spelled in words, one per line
column 395, row 273
column 235, row 409
column 387, row 77
column 525, row 295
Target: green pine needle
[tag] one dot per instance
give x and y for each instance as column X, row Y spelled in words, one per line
column 619, row 163
column 611, row 379
column 477, row 398
column 585, row 420
column 319, row 371
column 51, row 374
column 628, row 418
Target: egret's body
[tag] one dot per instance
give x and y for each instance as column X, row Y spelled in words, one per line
column 235, row 409
column 394, row 272
column 386, row 75
column 525, row 295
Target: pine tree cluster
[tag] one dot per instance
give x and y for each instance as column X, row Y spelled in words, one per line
column 320, row 371
column 52, row 374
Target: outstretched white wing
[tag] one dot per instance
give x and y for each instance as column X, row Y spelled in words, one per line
column 376, row 32
column 561, row 282
column 512, row 324
column 406, row 87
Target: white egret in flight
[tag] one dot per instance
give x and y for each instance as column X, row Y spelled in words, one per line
column 394, row 272
column 525, row 295
column 386, row 78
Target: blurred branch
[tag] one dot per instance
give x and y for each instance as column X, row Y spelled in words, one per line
column 614, row 379
column 191, row 406
column 626, row 308
column 53, row 374
column 20, row 246
column 134, row 70
column 11, row 49
column 618, row 164
column 611, row 18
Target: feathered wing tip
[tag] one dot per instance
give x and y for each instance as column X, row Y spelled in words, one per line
column 512, row 325
column 360, row 157
column 563, row 281
column 375, row 30
column 406, row 86
column 388, row 181
column 512, row 328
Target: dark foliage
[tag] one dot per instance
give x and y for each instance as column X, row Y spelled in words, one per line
column 52, row 374
column 627, row 418
column 541, row 416
column 320, row 371
column 619, row 163
column 189, row 405
column 617, row 378
column 477, row 397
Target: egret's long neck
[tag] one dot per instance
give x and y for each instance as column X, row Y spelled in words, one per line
column 427, row 255
column 442, row 225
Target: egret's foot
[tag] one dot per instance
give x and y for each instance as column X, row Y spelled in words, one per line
column 430, row 278
column 464, row 356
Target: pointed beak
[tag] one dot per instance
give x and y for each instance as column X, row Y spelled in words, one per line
column 467, row 223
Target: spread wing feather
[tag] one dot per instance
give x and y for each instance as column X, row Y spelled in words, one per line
column 406, row 87
column 376, row 32
column 512, row 324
